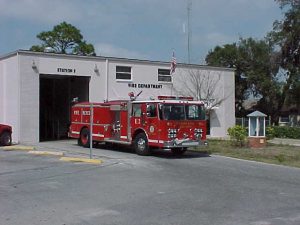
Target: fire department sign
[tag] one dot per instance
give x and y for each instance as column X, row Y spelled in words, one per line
column 152, row 86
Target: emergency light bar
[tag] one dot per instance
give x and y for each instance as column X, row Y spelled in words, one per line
column 165, row 97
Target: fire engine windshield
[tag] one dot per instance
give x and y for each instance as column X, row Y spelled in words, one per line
column 182, row 112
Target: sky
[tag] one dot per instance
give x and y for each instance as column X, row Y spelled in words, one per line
column 140, row 29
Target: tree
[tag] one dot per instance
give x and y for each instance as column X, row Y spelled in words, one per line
column 84, row 48
column 284, row 3
column 202, row 86
column 266, row 69
column 227, row 56
column 65, row 39
column 255, row 72
column 286, row 37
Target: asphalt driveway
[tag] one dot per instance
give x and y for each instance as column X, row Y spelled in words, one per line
column 135, row 190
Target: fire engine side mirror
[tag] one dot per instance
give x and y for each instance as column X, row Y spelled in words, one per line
column 148, row 112
column 151, row 110
column 143, row 114
column 75, row 100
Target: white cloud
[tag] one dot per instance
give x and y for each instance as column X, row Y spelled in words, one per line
column 105, row 49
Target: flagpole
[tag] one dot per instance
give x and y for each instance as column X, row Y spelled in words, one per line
column 172, row 70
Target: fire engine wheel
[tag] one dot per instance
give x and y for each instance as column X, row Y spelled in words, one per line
column 5, row 138
column 84, row 138
column 178, row 151
column 141, row 144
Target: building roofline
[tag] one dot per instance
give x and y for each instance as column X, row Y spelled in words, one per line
column 28, row 52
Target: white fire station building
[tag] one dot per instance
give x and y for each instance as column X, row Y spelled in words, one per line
column 37, row 89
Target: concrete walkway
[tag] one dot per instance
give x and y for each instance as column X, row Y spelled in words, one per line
column 285, row 141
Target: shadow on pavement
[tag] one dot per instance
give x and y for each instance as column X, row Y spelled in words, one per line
column 159, row 153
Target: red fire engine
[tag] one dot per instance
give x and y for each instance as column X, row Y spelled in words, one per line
column 165, row 123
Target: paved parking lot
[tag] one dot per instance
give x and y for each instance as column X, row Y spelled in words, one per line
column 131, row 189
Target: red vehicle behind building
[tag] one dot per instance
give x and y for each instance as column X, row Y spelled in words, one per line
column 165, row 123
column 5, row 135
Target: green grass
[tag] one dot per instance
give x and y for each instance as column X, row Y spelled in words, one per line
column 276, row 154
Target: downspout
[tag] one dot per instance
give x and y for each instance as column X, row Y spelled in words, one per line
column 3, row 90
column 106, row 78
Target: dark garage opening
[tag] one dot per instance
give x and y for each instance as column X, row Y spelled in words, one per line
column 56, row 96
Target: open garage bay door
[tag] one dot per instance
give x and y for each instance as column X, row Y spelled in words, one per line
column 56, row 95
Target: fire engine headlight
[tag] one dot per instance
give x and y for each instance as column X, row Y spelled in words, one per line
column 172, row 133
column 198, row 133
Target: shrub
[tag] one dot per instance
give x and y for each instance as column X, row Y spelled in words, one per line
column 286, row 132
column 237, row 135
column 270, row 132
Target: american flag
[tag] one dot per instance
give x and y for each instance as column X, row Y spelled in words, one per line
column 173, row 64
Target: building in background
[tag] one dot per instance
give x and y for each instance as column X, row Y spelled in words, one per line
column 37, row 89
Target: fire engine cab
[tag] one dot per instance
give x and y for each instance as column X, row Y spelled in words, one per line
column 166, row 123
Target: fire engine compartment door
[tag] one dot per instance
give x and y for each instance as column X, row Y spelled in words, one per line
column 116, row 125
column 119, row 125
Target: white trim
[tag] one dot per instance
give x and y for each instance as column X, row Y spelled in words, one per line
column 155, row 141
column 93, row 124
column 98, row 135
column 123, row 137
column 114, row 59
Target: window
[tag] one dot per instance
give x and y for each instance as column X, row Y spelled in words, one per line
column 284, row 119
column 173, row 112
column 123, row 73
column 136, row 110
column 195, row 112
column 181, row 112
column 164, row 75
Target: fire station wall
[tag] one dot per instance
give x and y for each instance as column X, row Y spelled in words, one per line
column 78, row 66
column 229, row 102
column 32, row 66
column 29, row 100
column 9, row 94
column 2, row 90
column 223, row 117
column 144, row 77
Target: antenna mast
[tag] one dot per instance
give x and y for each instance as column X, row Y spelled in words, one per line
column 189, row 8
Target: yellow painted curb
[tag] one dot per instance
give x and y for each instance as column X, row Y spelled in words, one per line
column 71, row 159
column 46, row 153
column 17, row 147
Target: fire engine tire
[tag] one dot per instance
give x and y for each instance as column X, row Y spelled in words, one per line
column 178, row 151
column 84, row 139
column 5, row 138
column 141, row 144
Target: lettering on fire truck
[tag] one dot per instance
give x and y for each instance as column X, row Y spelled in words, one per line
column 166, row 123
column 86, row 113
